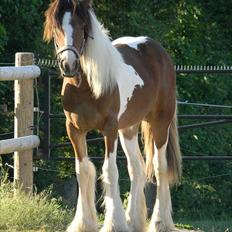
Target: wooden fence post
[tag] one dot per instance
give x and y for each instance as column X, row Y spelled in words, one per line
column 23, row 125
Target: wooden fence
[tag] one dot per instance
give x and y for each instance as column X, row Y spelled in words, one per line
column 24, row 141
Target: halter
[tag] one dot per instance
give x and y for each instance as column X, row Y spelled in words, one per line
column 77, row 54
column 75, row 51
column 70, row 48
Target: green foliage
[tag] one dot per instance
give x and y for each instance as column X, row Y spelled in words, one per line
column 21, row 27
column 3, row 37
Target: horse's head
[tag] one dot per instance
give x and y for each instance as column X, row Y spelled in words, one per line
column 67, row 23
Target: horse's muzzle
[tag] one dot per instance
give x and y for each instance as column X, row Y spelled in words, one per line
column 68, row 71
column 69, row 61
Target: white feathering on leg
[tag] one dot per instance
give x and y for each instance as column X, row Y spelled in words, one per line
column 85, row 218
column 115, row 219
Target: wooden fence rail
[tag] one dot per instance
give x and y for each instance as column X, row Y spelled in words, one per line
column 19, row 144
column 19, row 73
column 24, row 141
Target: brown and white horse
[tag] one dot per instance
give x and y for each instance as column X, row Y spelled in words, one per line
column 115, row 87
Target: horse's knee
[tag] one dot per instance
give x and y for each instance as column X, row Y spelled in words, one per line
column 160, row 160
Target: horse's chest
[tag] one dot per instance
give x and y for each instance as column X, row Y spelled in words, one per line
column 84, row 117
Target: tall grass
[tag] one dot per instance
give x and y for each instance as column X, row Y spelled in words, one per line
column 37, row 212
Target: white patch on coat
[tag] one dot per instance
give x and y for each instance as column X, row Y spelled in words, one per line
column 136, row 209
column 132, row 42
column 68, row 55
column 127, row 81
column 161, row 217
column 115, row 219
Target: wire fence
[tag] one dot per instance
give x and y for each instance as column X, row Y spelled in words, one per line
column 37, row 168
column 52, row 64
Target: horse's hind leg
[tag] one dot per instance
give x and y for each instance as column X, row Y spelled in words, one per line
column 161, row 218
column 115, row 220
column 136, row 209
column 85, row 219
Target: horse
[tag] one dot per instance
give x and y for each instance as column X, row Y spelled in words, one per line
column 116, row 88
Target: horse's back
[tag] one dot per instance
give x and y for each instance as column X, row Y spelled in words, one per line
column 146, row 52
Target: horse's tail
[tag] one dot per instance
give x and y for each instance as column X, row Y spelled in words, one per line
column 174, row 159
column 148, row 141
column 173, row 153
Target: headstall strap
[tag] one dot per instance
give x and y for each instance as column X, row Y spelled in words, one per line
column 66, row 48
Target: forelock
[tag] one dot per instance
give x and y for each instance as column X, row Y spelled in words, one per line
column 55, row 12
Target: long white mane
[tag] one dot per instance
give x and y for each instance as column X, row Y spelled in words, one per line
column 100, row 61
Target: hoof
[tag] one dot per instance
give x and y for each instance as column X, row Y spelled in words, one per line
column 135, row 227
column 81, row 227
column 159, row 226
column 112, row 228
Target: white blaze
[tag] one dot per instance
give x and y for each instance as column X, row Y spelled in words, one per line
column 68, row 55
column 67, row 28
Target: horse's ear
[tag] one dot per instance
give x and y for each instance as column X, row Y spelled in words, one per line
column 87, row 3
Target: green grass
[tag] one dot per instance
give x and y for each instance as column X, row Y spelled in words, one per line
column 42, row 213
column 206, row 225
column 38, row 213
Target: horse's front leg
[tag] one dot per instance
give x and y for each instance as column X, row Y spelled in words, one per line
column 85, row 219
column 115, row 219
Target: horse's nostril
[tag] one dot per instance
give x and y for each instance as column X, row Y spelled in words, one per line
column 69, row 68
column 65, row 66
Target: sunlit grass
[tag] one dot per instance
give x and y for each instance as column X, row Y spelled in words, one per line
column 37, row 213
column 206, row 225
column 42, row 213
